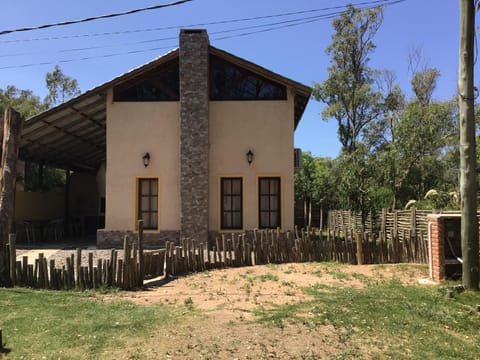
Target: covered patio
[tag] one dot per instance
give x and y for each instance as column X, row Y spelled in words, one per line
column 72, row 138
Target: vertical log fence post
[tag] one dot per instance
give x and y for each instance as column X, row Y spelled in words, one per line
column 141, row 265
column 12, row 257
column 359, row 241
column 10, row 136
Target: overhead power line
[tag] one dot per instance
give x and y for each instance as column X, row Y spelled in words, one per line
column 273, row 26
column 93, row 18
column 221, row 22
column 283, row 24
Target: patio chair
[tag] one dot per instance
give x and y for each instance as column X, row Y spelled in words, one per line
column 54, row 230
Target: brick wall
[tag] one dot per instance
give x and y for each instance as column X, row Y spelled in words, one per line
column 437, row 237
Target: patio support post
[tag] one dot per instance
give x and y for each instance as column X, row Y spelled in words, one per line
column 66, row 223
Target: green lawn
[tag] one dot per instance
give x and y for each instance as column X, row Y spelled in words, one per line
column 382, row 320
column 73, row 325
column 389, row 319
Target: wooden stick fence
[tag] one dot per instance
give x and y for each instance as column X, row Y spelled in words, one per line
column 129, row 268
column 124, row 269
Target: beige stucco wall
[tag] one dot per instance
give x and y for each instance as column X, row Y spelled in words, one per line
column 134, row 128
column 265, row 127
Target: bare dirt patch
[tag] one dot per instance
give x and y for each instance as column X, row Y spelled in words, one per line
column 224, row 328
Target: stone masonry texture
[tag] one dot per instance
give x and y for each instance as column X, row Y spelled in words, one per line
column 114, row 238
column 194, row 147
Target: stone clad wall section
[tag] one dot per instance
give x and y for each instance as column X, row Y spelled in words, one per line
column 194, row 134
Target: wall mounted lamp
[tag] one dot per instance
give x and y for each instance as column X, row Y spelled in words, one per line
column 249, row 155
column 146, row 159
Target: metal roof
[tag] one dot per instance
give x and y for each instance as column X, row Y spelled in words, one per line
column 73, row 135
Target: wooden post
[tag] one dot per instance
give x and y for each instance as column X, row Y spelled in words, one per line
column 12, row 257
column 12, row 128
column 468, row 173
column 141, row 265
column 66, row 223
column 358, row 238
column 78, row 263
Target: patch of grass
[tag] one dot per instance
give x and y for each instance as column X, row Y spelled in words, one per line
column 272, row 266
column 340, row 275
column 248, row 288
column 290, row 270
column 288, row 283
column 188, row 302
column 268, row 277
column 361, row 277
column 73, row 325
column 422, row 322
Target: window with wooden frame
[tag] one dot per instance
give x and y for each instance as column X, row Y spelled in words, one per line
column 231, row 82
column 231, row 193
column 147, row 207
column 269, row 207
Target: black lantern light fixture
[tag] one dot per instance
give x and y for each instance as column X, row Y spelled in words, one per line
column 249, row 155
column 146, row 159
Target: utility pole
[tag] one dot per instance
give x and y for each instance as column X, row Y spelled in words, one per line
column 468, row 181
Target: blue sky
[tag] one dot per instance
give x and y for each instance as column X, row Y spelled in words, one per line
column 296, row 52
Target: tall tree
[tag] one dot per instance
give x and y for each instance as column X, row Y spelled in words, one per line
column 305, row 180
column 60, row 87
column 23, row 101
column 350, row 96
column 348, row 91
column 416, row 133
column 468, row 184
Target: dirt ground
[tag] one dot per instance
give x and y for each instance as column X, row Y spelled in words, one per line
column 226, row 299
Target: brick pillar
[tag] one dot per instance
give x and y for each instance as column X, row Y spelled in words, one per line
column 437, row 238
column 194, row 97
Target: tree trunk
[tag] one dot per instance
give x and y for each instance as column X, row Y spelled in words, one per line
column 309, row 212
column 468, row 184
column 13, row 123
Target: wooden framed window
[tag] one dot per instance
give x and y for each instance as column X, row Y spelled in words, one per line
column 231, row 190
column 231, row 82
column 148, row 203
column 269, row 207
column 159, row 84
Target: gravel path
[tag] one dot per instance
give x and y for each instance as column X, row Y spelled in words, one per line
column 60, row 256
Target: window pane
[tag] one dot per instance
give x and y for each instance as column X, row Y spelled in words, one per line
column 236, row 203
column 154, row 220
column 146, row 219
column 159, row 84
column 227, row 203
column 144, row 203
column 154, row 203
column 144, row 187
column 226, row 223
column 264, row 217
column 273, row 219
column 269, row 202
column 148, row 202
column 231, row 203
column 237, row 220
column 274, row 188
column 264, row 202
column 230, row 82
column 154, row 186
column 273, row 203
column 264, row 186
column 227, row 187
column 237, row 186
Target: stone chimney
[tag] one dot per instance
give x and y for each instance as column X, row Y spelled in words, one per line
column 194, row 98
